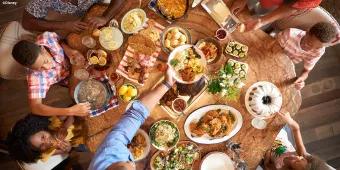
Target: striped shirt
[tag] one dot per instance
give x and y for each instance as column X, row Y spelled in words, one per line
column 290, row 39
column 40, row 81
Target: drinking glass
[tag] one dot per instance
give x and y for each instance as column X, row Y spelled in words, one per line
column 88, row 41
column 82, row 74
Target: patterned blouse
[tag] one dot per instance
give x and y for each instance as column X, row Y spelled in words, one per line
column 40, row 8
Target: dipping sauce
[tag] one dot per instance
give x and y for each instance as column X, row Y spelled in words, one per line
column 179, row 105
column 221, row 34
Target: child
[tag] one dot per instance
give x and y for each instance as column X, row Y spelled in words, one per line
column 48, row 62
column 37, row 137
column 305, row 46
column 283, row 156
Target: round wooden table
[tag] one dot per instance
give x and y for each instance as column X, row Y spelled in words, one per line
column 266, row 60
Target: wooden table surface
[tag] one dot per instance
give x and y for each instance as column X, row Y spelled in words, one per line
column 266, row 62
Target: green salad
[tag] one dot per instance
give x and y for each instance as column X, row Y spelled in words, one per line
column 182, row 157
column 164, row 134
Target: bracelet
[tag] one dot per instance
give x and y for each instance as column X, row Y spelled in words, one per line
column 167, row 84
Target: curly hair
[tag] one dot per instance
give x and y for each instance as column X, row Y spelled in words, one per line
column 324, row 31
column 26, row 52
column 18, row 139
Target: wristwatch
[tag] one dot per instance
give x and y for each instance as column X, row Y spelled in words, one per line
column 167, row 84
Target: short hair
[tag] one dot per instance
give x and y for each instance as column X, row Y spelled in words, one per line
column 26, row 52
column 19, row 146
column 315, row 163
column 325, row 32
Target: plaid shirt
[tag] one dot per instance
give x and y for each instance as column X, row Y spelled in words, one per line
column 39, row 81
column 290, row 39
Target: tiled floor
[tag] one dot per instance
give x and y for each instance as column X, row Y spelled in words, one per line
column 319, row 115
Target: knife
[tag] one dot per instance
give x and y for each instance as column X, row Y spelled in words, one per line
column 196, row 2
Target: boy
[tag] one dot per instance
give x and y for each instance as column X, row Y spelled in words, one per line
column 47, row 65
column 305, row 46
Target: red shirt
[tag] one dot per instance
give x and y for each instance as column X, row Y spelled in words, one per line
column 299, row 4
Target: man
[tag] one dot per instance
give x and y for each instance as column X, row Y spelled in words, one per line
column 113, row 153
column 47, row 65
column 52, row 15
column 307, row 47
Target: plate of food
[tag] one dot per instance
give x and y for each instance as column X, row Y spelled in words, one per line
column 211, row 48
column 99, row 59
column 164, row 135
column 173, row 37
column 92, row 91
column 170, row 10
column 188, row 64
column 213, row 124
column 236, row 50
column 218, row 161
column 179, row 92
column 128, row 92
column 110, row 37
column 133, row 21
column 140, row 145
column 263, row 100
column 181, row 157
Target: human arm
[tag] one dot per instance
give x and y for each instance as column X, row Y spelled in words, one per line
column 300, row 81
column 294, row 126
column 38, row 108
column 283, row 11
column 73, row 55
column 109, row 13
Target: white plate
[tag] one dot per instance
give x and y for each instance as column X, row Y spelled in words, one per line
column 217, row 161
column 139, row 27
column 206, row 139
column 246, row 101
column 148, row 145
column 179, row 49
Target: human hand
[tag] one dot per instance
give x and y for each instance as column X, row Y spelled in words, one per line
column 268, row 164
column 238, row 6
column 64, row 146
column 288, row 120
column 96, row 22
column 254, row 24
column 169, row 77
column 75, row 26
column 300, row 82
column 81, row 109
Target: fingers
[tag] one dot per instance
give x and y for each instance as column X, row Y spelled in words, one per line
column 80, row 26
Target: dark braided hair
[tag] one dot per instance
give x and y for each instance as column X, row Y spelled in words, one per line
column 26, row 52
column 18, row 139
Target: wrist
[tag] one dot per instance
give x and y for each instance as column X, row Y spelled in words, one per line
column 167, row 84
column 68, row 111
column 295, row 127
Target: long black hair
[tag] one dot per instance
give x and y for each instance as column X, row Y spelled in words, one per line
column 18, row 143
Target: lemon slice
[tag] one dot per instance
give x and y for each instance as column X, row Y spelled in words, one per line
column 93, row 60
column 122, row 90
column 102, row 61
column 131, row 92
column 101, row 53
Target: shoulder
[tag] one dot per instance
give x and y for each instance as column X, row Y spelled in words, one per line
column 38, row 8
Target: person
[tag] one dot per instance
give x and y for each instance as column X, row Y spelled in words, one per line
column 52, row 15
column 305, row 46
column 283, row 155
column 278, row 9
column 47, row 63
column 113, row 153
column 36, row 138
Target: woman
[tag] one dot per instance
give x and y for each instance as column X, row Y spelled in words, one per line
column 279, row 9
column 283, row 156
column 37, row 137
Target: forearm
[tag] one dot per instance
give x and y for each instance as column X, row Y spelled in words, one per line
column 300, row 147
column 305, row 73
column 34, row 24
column 44, row 110
column 113, row 8
column 150, row 99
column 69, row 121
column 281, row 12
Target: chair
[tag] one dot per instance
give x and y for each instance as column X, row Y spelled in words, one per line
column 307, row 19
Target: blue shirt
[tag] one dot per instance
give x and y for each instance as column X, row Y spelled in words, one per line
column 114, row 148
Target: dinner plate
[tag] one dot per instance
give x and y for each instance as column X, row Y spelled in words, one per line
column 148, row 144
column 217, row 161
column 246, row 101
column 206, row 139
column 176, row 75
column 153, row 128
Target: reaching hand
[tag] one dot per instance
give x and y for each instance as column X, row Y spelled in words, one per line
column 96, row 22
column 254, row 24
column 300, row 82
column 64, row 146
column 238, row 6
column 170, row 77
column 81, row 109
column 75, row 26
column 288, row 120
